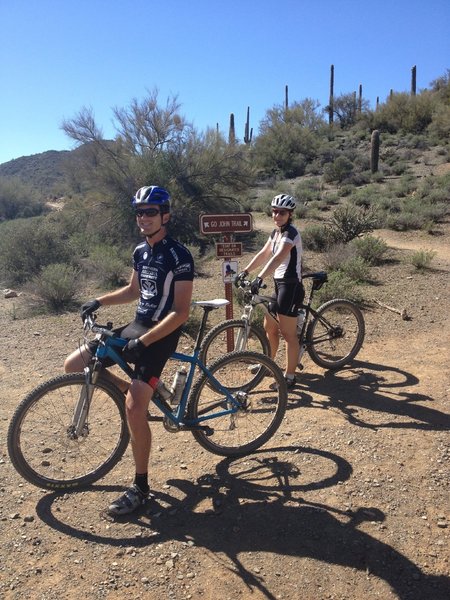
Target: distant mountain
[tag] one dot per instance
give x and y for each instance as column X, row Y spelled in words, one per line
column 46, row 171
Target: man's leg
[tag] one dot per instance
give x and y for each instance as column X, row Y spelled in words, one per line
column 79, row 358
column 137, row 401
column 136, row 404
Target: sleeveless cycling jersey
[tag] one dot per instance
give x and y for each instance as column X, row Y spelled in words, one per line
column 291, row 267
column 158, row 269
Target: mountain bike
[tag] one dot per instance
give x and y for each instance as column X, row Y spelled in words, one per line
column 332, row 334
column 71, row 430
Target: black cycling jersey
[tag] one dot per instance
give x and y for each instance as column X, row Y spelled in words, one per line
column 158, row 268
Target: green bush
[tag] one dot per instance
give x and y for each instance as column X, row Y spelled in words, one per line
column 317, row 237
column 109, row 265
column 357, row 269
column 28, row 245
column 339, row 285
column 422, row 259
column 56, row 286
column 339, row 170
column 371, row 249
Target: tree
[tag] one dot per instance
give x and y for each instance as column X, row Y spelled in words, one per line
column 155, row 144
column 288, row 138
column 346, row 109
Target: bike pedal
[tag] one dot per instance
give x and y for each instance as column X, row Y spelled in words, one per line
column 206, row 430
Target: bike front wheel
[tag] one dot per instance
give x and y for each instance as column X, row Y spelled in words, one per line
column 231, row 336
column 335, row 335
column 41, row 441
column 262, row 404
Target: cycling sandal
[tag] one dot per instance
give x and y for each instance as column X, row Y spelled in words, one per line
column 128, row 502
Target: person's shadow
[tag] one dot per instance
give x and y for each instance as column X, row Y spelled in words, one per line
column 258, row 507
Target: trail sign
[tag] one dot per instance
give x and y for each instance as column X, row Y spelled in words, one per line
column 228, row 249
column 226, row 223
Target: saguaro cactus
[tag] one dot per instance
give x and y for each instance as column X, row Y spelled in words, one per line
column 232, row 132
column 286, row 98
column 248, row 134
column 331, row 102
column 374, row 150
column 413, row 81
column 360, row 99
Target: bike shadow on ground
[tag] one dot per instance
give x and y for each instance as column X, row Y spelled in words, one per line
column 365, row 386
column 256, row 504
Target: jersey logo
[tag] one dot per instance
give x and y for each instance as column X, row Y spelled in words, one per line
column 148, row 288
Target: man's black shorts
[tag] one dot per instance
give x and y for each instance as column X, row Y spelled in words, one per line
column 155, row 356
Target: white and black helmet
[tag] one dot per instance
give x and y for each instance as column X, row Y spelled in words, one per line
column 284, row 201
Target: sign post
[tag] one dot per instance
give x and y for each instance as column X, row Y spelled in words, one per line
column 227, row 248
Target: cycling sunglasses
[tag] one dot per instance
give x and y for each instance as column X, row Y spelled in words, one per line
column 148, row 212
column 280, row 212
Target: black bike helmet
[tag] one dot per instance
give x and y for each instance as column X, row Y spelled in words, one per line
column 284, row 201
column 152, row 194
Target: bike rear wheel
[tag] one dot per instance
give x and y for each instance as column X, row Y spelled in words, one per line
column 335, row 336
column 41, row 443
column 262, row 409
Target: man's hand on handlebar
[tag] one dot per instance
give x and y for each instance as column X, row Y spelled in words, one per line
column 132, row 352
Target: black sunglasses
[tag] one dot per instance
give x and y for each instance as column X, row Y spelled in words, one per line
column 148, row 212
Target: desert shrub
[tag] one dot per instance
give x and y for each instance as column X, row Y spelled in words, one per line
column 28, row 245
column 337, row 255
column 349, row 222
column 339, row 285
column 339, row 170
column 357, row 269
column 422, row 259
column 405, row 186
column 403, row 221
column 370, row 248
column 365, row 197
column 317, row 237
column 56, row 286
column 308, row 190
column 108, row 265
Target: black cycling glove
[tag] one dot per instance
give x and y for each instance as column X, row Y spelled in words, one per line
column 88, row 308
column 132, row 352
column 240, row 278
column 255, row 285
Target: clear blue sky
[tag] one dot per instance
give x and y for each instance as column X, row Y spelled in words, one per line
column 58, row 56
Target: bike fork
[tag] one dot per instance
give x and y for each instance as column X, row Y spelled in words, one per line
column 242, row 336
column 82, row 406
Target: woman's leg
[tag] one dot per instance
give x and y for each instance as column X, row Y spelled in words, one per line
column 288, row 328
column 273, row 333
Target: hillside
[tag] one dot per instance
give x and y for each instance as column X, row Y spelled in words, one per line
column 44, row 171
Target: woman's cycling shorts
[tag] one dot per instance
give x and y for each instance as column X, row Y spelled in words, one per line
column 154, row 357
column 289, row 296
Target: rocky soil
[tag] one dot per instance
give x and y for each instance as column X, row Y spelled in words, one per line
column 349, row 500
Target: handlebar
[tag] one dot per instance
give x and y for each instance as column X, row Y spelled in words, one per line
column 89, row 324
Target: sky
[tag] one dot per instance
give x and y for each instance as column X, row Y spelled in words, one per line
column 217, row 57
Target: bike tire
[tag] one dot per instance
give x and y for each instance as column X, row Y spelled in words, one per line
column 214, row 343
column 251, row 427
column 39, row 444
column 335, row 336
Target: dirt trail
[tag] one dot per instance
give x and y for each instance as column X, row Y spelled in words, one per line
column 349, row 500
